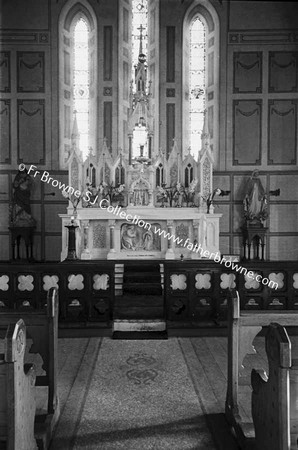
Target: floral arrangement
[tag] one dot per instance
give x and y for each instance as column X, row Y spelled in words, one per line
column 177, row 193
column 74, row 200
column 210, row 198
column 112, row 193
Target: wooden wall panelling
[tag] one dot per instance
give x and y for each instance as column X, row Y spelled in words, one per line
column 283, row 72
column 5, row 131
column 30, row 72
column 5, row 84
column 247, row 132
column 282, row 132
column 108, row 53
column 247, row 68
column 170, row 54
column 31, row 131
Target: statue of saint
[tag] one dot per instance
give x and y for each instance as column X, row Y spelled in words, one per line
column 255, row 200
column 21, row 209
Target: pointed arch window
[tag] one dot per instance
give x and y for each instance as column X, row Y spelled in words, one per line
column 78, row 78
column 200, row 82
column 197, row 81
column 81, row 81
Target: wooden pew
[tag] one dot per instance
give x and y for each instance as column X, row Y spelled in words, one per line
column 42, row 328
column 243, row 326
column 17, row 394
column 274, row 398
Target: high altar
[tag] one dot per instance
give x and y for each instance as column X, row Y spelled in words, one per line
column 122, row 206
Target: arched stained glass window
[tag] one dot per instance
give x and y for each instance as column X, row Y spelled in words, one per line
column 81, row 80
column 197, row 82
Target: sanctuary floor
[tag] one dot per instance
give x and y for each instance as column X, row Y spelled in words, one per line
column 148, row 394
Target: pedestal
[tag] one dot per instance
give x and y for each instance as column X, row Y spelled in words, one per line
column 17, row 233
column 71, row 253
column 254, row 236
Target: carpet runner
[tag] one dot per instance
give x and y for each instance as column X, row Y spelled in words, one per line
column 133, row 395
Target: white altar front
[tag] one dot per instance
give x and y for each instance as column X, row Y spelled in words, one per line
column 137, row 233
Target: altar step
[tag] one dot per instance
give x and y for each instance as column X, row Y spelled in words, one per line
column 142, row 279
column 139, row 329
column 138, row 307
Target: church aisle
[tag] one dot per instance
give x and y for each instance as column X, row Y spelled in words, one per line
column 132, row 395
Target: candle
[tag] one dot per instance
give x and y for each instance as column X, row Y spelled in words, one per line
column 104, row 168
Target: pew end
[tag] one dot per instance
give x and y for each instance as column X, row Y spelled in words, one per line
column 17, row 394
column 243, row 327
column 270, row 397
column 42, row 329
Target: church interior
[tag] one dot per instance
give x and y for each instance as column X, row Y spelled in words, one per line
column 148, row 224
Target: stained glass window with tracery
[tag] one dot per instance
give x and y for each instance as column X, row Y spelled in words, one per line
column 197, row 83
column 81, row 82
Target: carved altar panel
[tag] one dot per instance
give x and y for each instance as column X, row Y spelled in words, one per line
column 135, row 238
column 182, row 232
column 99, row 235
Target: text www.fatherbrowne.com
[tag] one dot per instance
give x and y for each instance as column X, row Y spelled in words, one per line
column 136, row 220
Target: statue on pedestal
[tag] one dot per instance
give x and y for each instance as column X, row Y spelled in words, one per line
column 21, row 209
column 255, row 200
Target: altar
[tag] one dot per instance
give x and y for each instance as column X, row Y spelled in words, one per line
column 142, row 201
column 139, row 233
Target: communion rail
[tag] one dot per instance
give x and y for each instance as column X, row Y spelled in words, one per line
column 195, row 292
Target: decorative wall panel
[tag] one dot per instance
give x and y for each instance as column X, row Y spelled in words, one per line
column 283, row 72
column 108, row 53
column 247, row 119
column 125, row 24
column 282, row 131
column 211, row 69
column 67, row 68
column 5, row 130
column 247, row 72
column 67, row 121
column 107, row 126
column 31, row 131
column 4, row 71
column 170, row 54
column 170, row 126
column 30, row 72
column 125, row 80
column 277, row 212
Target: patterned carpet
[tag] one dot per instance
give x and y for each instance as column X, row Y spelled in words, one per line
column 128, row 395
